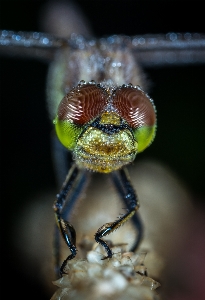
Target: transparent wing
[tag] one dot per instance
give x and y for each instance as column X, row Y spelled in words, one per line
column 30, row 44
column 149, row 50
column 164, row 49
column 172, row 48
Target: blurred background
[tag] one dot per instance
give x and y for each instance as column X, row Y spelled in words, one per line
column 178, row 92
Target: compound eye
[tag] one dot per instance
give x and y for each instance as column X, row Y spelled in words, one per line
column 134, row 106
column 82, row 104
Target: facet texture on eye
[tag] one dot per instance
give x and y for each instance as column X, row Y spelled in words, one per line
column 82, row 104
column 138, row 110
column 134, row 106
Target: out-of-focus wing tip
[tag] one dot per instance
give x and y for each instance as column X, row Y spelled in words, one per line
column 169, row 49
column 30, row 44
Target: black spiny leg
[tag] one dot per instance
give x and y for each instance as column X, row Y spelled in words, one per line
column 66, row 229
column 121, row 181
column 127, row 192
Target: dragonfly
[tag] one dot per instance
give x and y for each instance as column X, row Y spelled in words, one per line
column 111, row 68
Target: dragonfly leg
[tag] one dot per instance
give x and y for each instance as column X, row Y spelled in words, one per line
column 66, row 229
column 124, row 187
column 126, row 190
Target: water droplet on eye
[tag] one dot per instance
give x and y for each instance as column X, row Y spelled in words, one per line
column 92, row 82
column 137, row 87
column 82, row 82
column 130, row 85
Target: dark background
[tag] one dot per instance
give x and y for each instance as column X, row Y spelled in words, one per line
column 26, row 166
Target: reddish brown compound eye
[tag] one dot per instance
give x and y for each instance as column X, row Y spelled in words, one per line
column 134, row 106
column 82, row 103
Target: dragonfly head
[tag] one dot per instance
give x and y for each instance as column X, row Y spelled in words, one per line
column 105, row 130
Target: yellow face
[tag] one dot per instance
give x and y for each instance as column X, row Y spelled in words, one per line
column 105, row 128
column 105, row 152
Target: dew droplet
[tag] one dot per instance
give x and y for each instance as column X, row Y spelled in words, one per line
column 92, row 82
column 82, row 82
column 129, row 85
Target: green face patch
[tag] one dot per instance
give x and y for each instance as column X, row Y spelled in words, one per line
column 67, row 132
column 144, row 136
